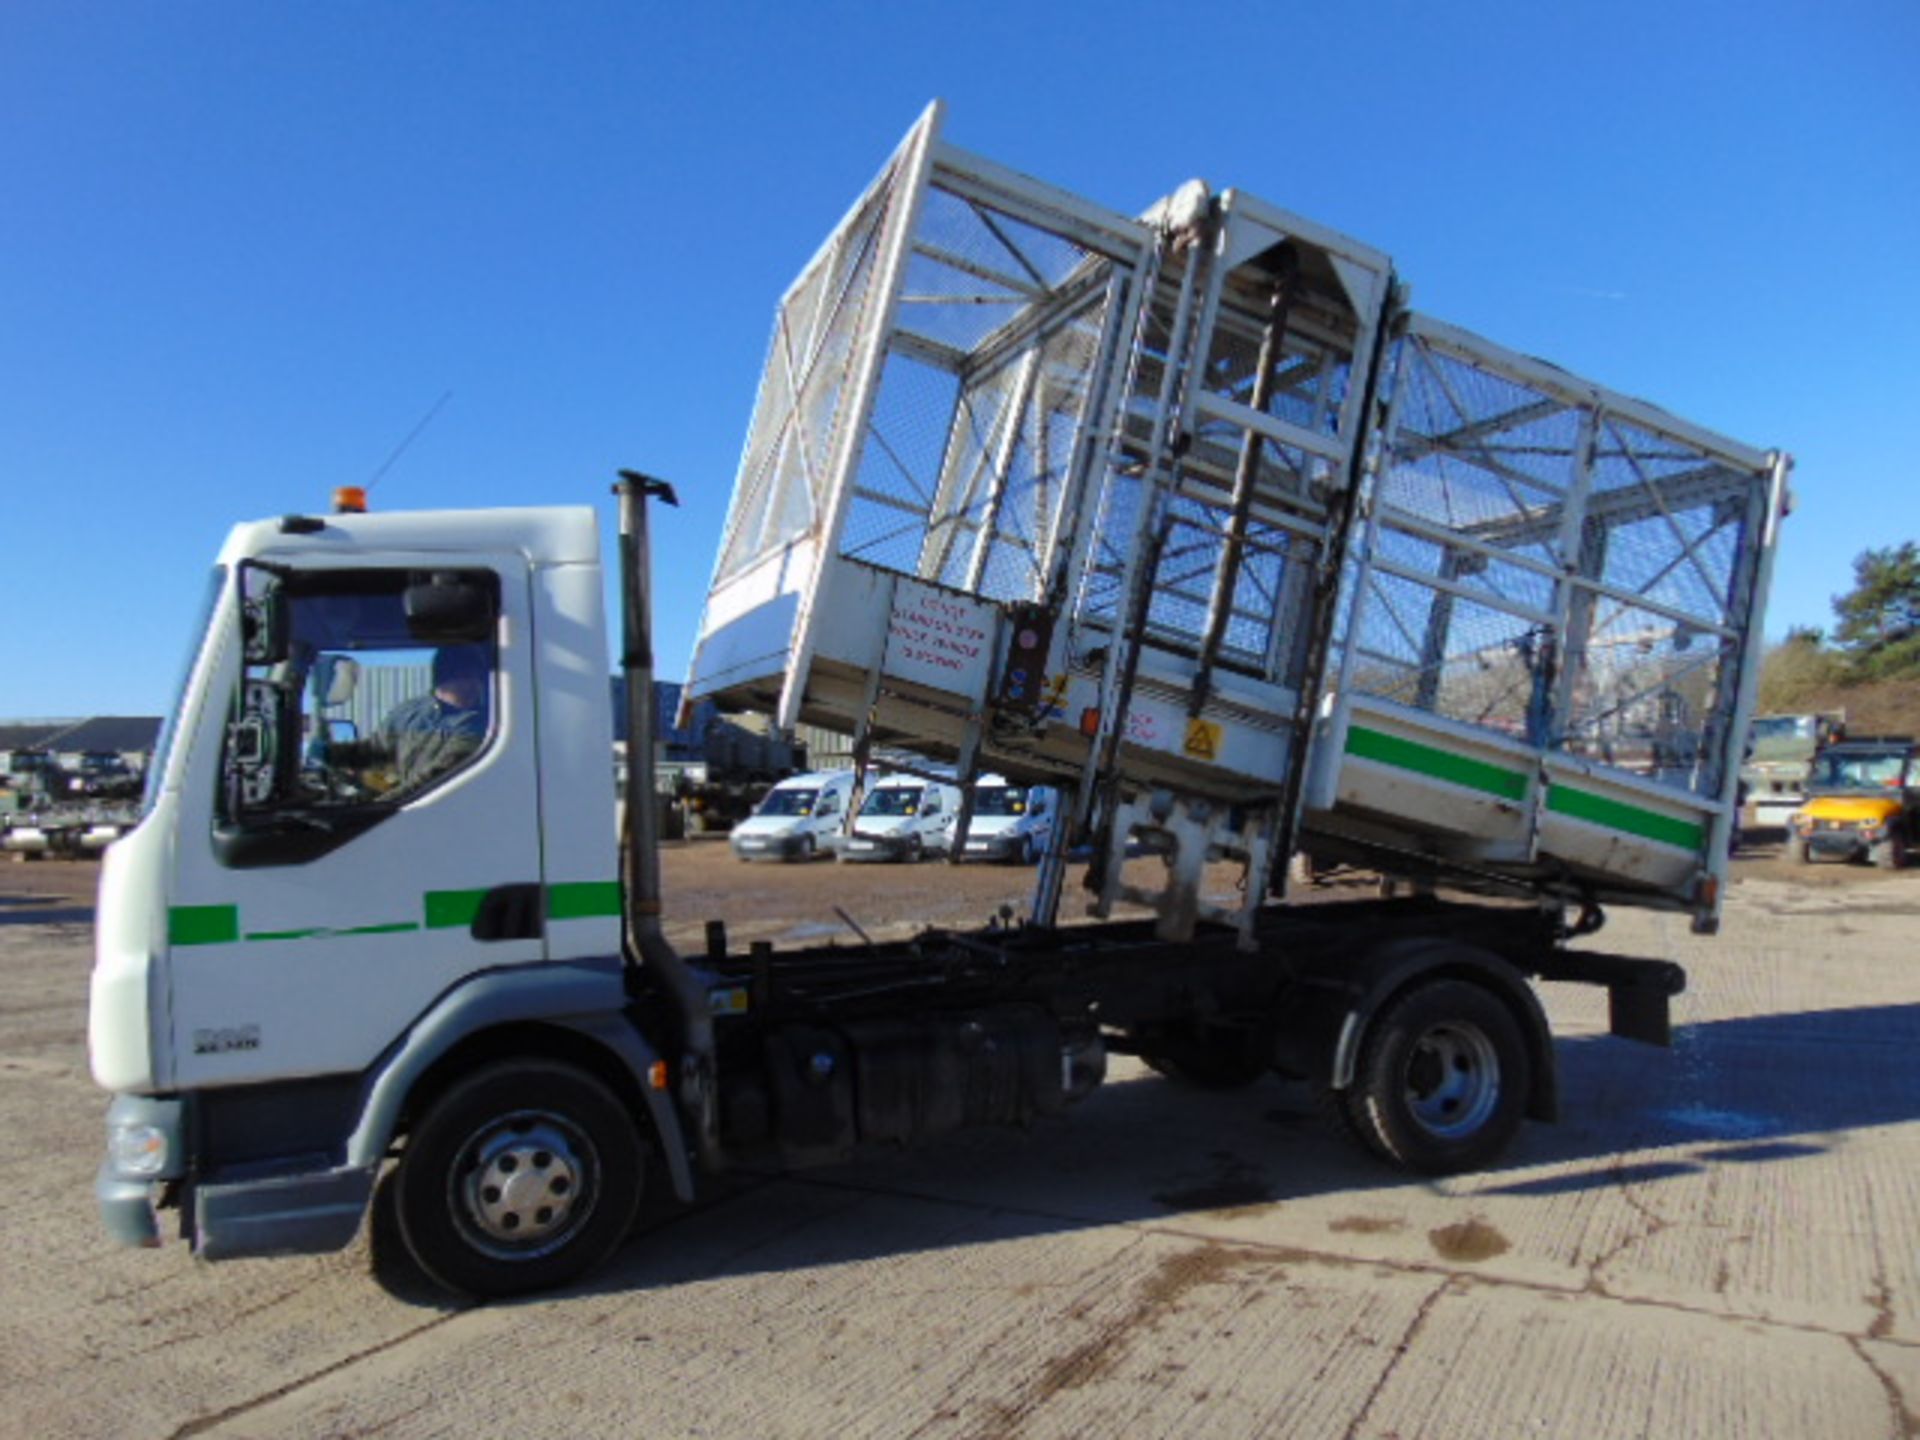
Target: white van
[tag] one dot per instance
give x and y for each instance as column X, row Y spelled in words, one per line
column 903, row 818
column 799, row 818
column 1011, row 822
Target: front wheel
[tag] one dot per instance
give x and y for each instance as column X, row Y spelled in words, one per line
column 1891, row 853
column 1442, row 1082
column 1798, row 851
column 520, row 1177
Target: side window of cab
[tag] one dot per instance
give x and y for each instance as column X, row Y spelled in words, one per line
column 362, row 689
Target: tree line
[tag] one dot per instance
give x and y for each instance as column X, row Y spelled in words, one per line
column 1873, row 650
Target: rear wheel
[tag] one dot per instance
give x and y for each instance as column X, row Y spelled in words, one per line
column 1443, row 1079
column 522, row 1176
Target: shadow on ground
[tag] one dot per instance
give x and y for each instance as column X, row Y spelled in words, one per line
column 1766, row 1090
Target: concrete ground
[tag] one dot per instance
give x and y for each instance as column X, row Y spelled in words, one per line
column 1722, row 1239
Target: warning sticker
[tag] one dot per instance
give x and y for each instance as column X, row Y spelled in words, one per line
column 1203, row 739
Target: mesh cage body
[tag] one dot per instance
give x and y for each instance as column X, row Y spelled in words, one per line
column 1547, row 563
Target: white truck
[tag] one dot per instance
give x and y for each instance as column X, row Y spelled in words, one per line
column 1223, row 543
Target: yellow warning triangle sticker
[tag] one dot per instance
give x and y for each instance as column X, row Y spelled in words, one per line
column 1203, row 739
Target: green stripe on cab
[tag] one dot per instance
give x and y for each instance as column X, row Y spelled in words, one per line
column 203, row 924
column 446, row 909
column 583, row 899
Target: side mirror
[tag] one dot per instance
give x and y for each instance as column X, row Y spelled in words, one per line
column 252, row 762
column 448, row 610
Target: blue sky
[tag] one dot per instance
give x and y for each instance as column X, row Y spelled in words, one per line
column 245, row 247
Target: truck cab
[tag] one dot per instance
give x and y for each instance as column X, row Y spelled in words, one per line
column 1863, row 803
column 349, row 857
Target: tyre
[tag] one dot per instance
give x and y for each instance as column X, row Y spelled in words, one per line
column 916, row 850
column 1891, row 853
column 1025, row 854
column 1443, row 1079
column 1797, row 851
column 807, row 847
column 520, row 1177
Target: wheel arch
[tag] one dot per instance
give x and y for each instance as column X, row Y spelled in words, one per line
column 572, row 1014
column 1390, row 971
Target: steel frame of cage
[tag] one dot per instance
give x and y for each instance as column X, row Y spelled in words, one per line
column 1155, row 435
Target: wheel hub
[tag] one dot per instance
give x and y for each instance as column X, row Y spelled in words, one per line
column 526, row 1179
column 1453, row 1080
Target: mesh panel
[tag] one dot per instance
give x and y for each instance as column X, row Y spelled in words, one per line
column 1310, row 382
column 781, row 490
column 1015, row 316
column 1445, row 654
column 1646, row 695
column 974, row 269
column 1672, row 521
column 1498, row 581
column 1639, row 671
column 886, row 522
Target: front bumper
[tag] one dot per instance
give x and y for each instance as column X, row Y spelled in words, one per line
column 991, row 847
column 126, row 1192
column 767, row 847
column 126, row 1208
column 280, row 1212
column 872, row 848
column 1847, row 843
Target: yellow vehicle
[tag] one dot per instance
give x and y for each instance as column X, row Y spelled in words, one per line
column 1863, row 802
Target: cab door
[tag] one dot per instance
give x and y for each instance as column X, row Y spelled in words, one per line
column 361, row 830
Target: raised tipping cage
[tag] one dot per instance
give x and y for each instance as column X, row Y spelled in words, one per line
column 1190, row 515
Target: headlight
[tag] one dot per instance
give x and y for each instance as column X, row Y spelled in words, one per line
column 137, row 1150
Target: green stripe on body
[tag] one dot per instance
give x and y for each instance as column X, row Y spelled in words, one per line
column 583, row 900
column 398, row 927
column 446, row 909
column 442, row 910
column 1619, row 815
column 1464, row 770
column 203, row 924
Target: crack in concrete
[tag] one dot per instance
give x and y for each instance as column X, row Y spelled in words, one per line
column 1291, row 1254
column 1655, row 1223
column 1153, row 1302
column 1906, row 1423
column 204, row 1423
column 1400, row 1349
column 951, row 1403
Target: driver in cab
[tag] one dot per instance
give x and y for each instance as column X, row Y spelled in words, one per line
column 426, row 737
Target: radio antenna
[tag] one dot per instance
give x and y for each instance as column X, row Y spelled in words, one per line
column 411, row 436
